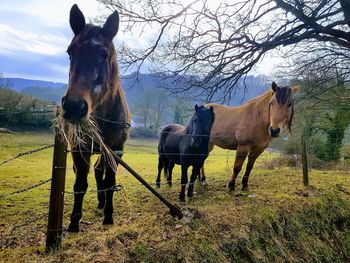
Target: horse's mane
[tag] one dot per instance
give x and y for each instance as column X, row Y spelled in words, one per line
column 188, row 128
column 284, row 95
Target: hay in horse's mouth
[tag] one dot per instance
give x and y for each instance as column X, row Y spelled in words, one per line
column 83, row 136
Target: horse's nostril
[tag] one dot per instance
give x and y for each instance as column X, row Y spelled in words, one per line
column 274, row 132
column 75, row 108
column 83, row 105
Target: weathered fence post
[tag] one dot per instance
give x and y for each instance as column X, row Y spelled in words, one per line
column 304, row 159
column 54, row 226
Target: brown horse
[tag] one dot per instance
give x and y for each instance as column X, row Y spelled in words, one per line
column 250, row 128
column 94, row 96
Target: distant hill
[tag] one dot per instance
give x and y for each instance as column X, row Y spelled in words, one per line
column 53, row 91
column 46, row 93
column 19, row 84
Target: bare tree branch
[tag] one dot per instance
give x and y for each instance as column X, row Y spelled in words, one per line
column 209, row 46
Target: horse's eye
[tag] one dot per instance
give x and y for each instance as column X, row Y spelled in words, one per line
column 104, row 54
column 289, row 105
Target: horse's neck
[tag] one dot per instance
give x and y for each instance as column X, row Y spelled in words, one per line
column 120, row 103
column 260, row 107
column 115, row 107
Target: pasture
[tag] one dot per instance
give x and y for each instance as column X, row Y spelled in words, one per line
column 278, row 220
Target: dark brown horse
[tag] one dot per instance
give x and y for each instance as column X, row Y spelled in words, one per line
column 94, row 99
column 187, row 146
column 250, row 128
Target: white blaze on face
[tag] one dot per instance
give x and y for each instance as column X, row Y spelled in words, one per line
column 95, row 42
column 95, row 74
column 97, row 89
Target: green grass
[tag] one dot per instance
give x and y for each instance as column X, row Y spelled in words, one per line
column 279, row 220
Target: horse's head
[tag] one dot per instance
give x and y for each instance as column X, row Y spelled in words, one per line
column 201, row 124
column 92, row 65
column 281, row 109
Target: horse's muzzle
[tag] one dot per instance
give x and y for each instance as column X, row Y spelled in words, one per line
column 274, row 132
column 74, row 108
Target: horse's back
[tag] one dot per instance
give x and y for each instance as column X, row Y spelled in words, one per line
column 226, row 123
column 241, row 126
column 169, row 142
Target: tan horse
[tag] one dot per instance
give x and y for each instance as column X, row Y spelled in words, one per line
column 250, row 128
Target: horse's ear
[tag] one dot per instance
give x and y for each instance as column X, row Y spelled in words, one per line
column 110, row 28
column 274, row 86
column 295, row 89
column 196, row 107
column 76, row 19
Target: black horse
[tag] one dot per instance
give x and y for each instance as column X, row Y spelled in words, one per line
column 187, row 146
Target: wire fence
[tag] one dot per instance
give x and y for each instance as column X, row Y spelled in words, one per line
column 26, row 189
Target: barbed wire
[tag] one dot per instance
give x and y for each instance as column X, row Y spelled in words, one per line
column 28, row 152
column 26, row 189
column 114, row 188
column 28, row 222
column 26, row 112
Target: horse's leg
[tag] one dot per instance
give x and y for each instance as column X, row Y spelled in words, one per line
column 99, row 171
column 170, row 173
column 240, row 157
column 251, row 160
column 109, row 184
column 195, row 172
column 202, row 178
column 166, row 167
column 199, row 175
column 81, row 168
column 184, row 181
column 160, row 167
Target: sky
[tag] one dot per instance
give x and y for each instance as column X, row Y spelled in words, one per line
column 35, row 34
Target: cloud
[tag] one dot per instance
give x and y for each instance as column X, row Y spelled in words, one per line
column 13, row 40
column 35, row 35
column 35, row 66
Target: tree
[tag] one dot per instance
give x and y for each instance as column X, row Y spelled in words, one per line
column 159, row 107
column 183, row 110
column 143, row 105
column 152, row 105
column 220, row 42
column 322, row 110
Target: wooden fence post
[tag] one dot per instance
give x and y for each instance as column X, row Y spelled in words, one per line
column 304, row 159
column 54, row 226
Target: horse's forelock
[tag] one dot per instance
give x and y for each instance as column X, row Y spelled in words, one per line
column 284, row 95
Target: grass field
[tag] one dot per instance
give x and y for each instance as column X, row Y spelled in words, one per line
column 279, row 220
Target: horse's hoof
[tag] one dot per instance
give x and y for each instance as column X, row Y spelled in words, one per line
column 73, row 228
column 231, row 186
column 204, row 183
column 108, row 221
column 158, row 184
column 245, row 188
column 170, row 183
column 182, row 199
